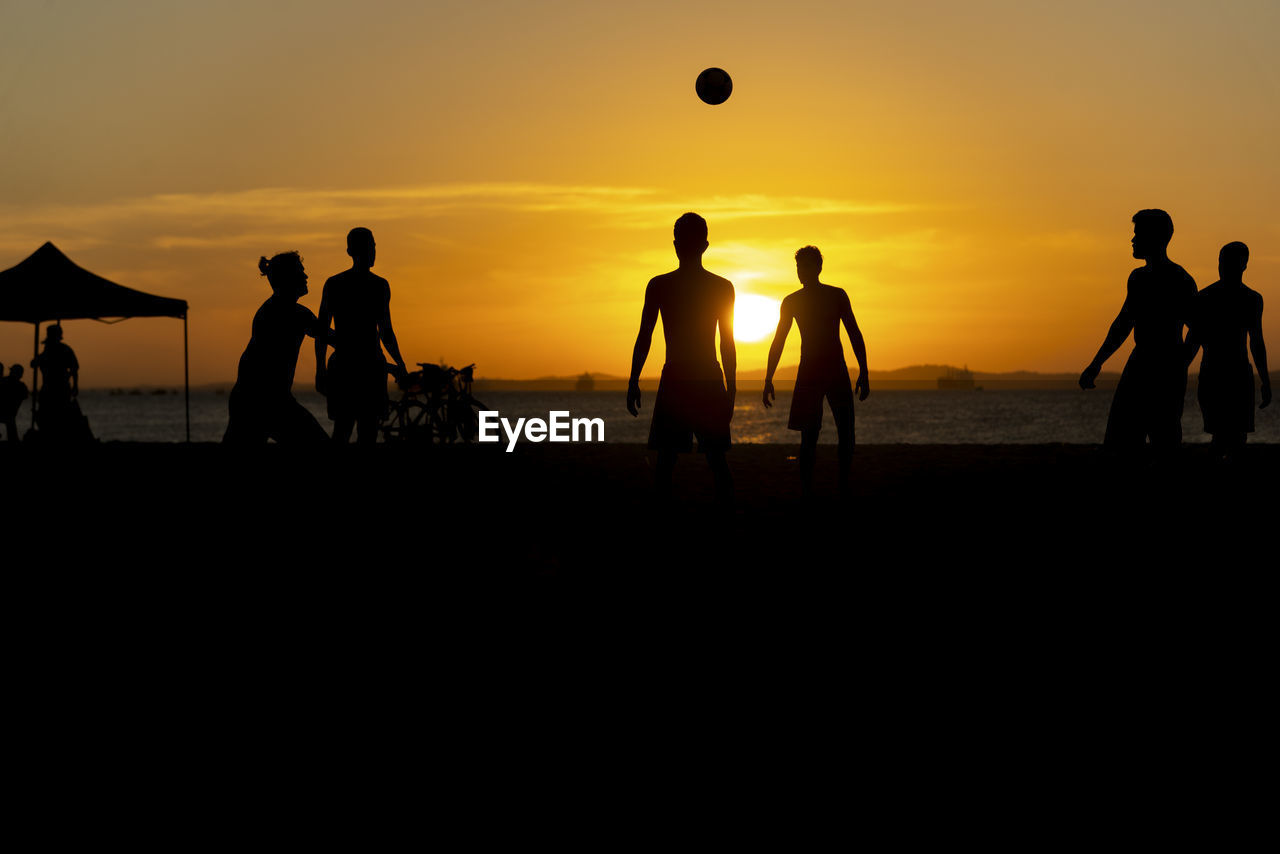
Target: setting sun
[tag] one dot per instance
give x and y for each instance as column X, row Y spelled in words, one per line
column 754, row 317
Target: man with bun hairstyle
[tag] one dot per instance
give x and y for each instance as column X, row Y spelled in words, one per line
column 262, row 405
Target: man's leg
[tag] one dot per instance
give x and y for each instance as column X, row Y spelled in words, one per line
column 723, row 480
column 367, row 433
column 662, row 475
column 342, row 428
column 808, row 456
column 1126, row 430
column 844, row 432
column 1226, row 446
column 297, row 426
column 1163, row 418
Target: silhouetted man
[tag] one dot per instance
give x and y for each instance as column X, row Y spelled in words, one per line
column 359, row 304
column 1226, row 314
column 12, row 392
column 1148, row 399
column 694, row 396
column 819, row 310
column 60, row 385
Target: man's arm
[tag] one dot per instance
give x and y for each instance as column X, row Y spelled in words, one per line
column 729, row 351
column 388, row 336
column 323, row 318
column 1191, row 345
column 1119, row 331
column 311, row 326
column 75, row 373
column 859, row 349
column 1258, row 348
column 644, row 340
column 785, row 318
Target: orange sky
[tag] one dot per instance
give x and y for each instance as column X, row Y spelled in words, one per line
column 969, row 170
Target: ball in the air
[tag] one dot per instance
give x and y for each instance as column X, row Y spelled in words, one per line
column 714, row 86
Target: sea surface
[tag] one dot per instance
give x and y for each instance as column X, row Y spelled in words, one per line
column 887, row 417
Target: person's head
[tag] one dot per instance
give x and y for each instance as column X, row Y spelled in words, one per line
column 286, row 274
column 1232, row 261
column 1152, row 231
column 53, row 333
column 808, row 264
column 690, row 237
column 360, row 246
column 17, row 371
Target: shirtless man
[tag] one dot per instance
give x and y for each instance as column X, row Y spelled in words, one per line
column 358, row 302
column 819, row 310
column 1226, row 314
column 1148, row 400
column 694, row 396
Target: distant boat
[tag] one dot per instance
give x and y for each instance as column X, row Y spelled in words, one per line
column 961, row 379
column 585, row 383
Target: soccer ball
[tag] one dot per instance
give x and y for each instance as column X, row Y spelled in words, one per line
column 714, row 86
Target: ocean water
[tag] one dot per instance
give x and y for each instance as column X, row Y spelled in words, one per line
column 916, row 417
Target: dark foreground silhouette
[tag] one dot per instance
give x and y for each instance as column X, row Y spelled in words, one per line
column 13, row 391
column 961, row 582
column 1157, row 305
column 695, row 396
column 358, row 303
column 819, row 310
column 262, row 405
column 931, row 521
column 58, row 415
column 1227, row 323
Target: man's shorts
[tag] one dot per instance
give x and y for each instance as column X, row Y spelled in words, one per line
column 806, row 400
column 1227, row 398
column 1147, row 402
column 357, row 387
column 692, row 400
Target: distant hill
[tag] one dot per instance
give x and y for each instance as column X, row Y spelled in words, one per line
column 912, row 377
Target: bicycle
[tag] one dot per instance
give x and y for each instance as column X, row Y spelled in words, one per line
column 436, row 405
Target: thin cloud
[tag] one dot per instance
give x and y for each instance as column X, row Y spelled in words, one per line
column 271, row 208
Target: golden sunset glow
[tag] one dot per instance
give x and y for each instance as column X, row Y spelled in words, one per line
column 968, row 170
column 754, row 317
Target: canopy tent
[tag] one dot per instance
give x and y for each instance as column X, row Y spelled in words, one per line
column 48, row 286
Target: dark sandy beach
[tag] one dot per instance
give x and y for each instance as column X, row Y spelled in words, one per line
column 985, row 612
column 584, row 514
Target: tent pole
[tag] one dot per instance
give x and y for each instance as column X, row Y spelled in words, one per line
column 186, row 374
column 35, row 375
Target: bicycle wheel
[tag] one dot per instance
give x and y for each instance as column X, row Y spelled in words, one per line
column 392, row 425
column 434, row 428
column 409, row 422
column 468, row 417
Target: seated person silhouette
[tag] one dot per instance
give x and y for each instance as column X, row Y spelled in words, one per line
column 819, row 310
column 57, row 415
column 262, row 405
column 358, row 302
column 1227, row 315
column 1148, row 399
column 694, row 396
column 13, row 391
